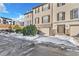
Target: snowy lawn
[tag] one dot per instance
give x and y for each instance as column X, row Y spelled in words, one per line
column 57, row 39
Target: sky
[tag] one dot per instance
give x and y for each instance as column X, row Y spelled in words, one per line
column 15, row 10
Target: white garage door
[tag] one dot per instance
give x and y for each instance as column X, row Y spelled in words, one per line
column 45, row 31
column 74, row 30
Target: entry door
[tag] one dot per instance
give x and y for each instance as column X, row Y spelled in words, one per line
column 61, row 29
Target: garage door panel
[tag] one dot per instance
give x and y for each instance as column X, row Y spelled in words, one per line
column 45, row 31
column 74, row 30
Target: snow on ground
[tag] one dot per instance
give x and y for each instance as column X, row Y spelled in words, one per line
column 67, row 38
column 20, row 36
column 25, row 37
column 58, row 39
column 55, row 40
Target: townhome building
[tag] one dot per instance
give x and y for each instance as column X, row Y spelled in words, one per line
column 42, row 18
column 66, row 18
column 55, row 18
column 6, row 23
column 28, row 18
column 4, row 20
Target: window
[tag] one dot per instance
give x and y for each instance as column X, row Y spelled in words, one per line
column 60, row 4
column 46, row 7
column 4, row 21
column 45, row 19
column 37, row 10
column 0, row 20
column 74, row 13
column 37, row 20
column 13, row 22
column 61, row 16
column 63, row 3
column 34, row 11
column 9, row 22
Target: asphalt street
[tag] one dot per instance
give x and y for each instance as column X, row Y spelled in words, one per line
column 11, row 46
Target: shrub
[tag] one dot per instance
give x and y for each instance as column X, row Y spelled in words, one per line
column 17, row 29
column 29, row 30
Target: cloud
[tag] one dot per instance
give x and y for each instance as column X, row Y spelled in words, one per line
column 20, row 18
column 3, row 8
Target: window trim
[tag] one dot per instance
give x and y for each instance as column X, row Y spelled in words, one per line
column 37, row 11
column 72, row 13
column 63, row 16
column 48, row 19
column 62, row 4
column 37, row 21
column 47, row 7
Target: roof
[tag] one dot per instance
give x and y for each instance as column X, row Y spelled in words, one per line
column 28, row 12
column 39, row 5
column 5, row 18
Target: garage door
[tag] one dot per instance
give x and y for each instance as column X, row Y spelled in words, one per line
column 61, row 29
column 74, row 30
column 45, row 31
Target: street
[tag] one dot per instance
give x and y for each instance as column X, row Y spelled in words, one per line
column 50, row 51
column 11, row 46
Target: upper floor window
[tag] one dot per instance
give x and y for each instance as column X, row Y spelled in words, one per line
column 61, row 16
column 60, row 4
column 46, row 19
column 74, row 13
column 34, row 11
column 45, row 7
column 4, row 21
column 37, row 10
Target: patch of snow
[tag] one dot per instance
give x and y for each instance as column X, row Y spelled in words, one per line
column 24, row 37
column 58, row 39
column 31, row 37
column 55, row 40
column 67, row 38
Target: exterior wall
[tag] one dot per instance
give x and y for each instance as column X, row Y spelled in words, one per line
column 43, row 26
column 74, row 30
column 6, row 26
column 67, row 22
column 45, row 31
column 8, row 23
column 1, row 21
column 28, row 19
column 50, row 28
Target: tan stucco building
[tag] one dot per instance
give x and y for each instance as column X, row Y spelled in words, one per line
column 66, row 18
column 42, row 18
column 28, row 18
column 56, row 18
column 6, row 23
